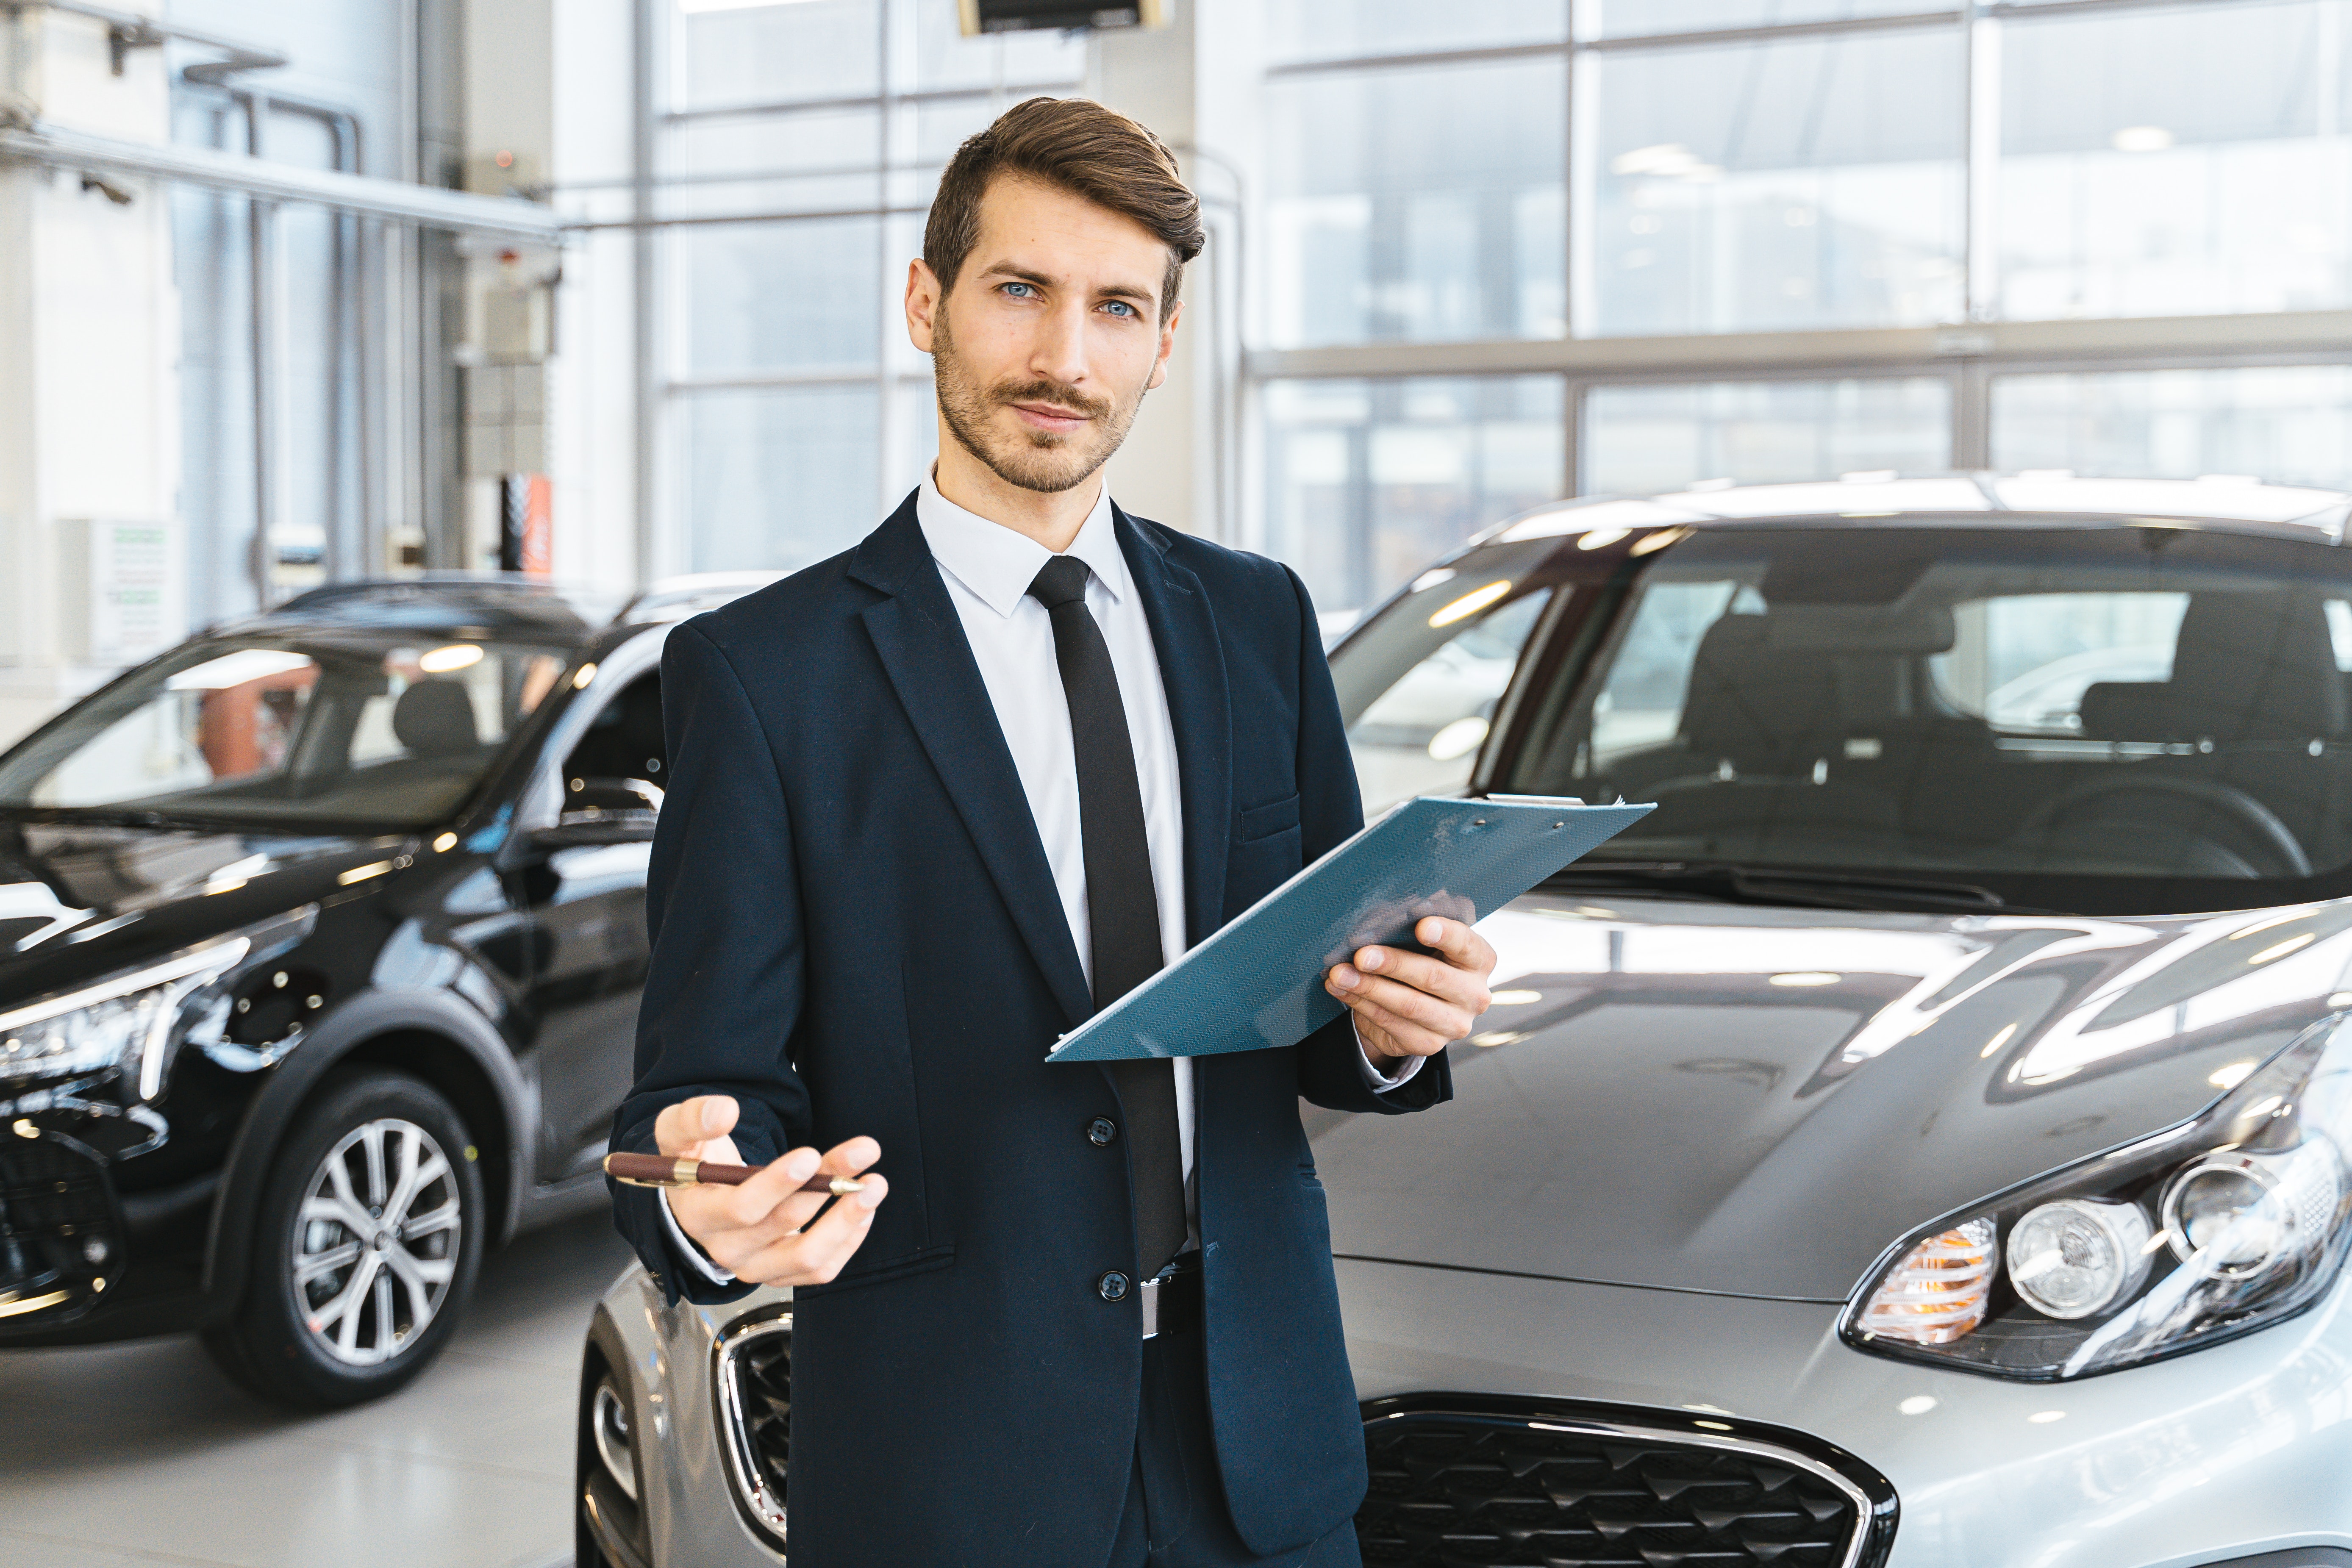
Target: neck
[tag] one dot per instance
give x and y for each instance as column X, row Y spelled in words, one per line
column 1052, row 519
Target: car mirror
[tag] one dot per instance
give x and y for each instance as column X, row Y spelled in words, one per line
column 604, row 811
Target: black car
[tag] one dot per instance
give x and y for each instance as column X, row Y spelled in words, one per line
column 321, row 940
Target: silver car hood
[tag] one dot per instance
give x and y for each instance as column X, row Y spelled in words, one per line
column 1759, row 1102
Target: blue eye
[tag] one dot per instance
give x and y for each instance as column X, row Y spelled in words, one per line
column 1027, row 290
column 1120, row 305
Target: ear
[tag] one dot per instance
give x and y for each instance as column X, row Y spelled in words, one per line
column 1167, row 346
column 923, row 303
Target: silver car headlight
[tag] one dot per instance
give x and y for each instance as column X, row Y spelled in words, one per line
column 130, row 1020
column 2220, row 1226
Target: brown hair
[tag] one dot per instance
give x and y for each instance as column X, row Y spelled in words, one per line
column 1091, row 151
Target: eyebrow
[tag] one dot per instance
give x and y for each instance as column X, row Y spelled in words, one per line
column 1130, row 291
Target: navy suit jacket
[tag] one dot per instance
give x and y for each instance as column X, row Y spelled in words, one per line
column 856, row 931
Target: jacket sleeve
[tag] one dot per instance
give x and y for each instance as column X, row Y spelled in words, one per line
column 1330, row 809
column 724, row 986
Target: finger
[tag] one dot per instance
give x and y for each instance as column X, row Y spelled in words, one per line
column 1405, row 1002
column 1461, row 945
column 1394, row 1035
column 850, row 1158
column 814, row 1256
column 681, row 1128
column 771, row 1205
column 1463, row 987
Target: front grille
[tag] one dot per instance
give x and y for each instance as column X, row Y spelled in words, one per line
column 60, row 1230
column 753, row 1380
column 1470, row 1481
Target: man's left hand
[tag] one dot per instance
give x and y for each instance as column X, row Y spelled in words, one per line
column 1410, row 1003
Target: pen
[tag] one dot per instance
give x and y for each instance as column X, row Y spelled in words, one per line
column 664, row 1171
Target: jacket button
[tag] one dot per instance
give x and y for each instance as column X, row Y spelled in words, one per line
column 1112, row 1287
column 1101, row 1130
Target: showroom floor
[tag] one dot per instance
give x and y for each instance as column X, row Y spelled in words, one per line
column 144, row 1453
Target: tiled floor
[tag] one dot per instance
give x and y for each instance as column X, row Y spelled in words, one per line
column 144, row 1453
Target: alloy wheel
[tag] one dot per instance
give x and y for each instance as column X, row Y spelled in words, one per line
column 376, row 1241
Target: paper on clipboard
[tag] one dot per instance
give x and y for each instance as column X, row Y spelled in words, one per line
column 1257, row 981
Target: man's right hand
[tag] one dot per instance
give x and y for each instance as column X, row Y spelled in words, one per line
column 755, row 1231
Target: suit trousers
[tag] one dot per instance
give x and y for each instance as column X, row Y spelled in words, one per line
column 1176, row 1515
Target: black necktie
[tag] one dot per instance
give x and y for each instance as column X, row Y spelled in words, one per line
column 1122, row 908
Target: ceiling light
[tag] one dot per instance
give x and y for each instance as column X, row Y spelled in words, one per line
column 2142, row 139
column 1806, row 977
column 1601, row 538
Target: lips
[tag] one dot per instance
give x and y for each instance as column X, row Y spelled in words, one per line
column 1046, row 417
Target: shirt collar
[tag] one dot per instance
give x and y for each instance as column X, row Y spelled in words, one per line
column 998, row 564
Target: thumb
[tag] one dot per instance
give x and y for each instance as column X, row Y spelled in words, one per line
column 683, row 1130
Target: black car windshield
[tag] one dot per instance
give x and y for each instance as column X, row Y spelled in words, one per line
column 2116, row 718
column 393, row 729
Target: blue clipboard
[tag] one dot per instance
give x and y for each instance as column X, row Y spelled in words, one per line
column 1257, row 981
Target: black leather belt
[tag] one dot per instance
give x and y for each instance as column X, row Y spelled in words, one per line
column 1171, row 1303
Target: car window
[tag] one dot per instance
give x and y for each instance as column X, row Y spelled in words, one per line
column 1419, row 681
column 348, row 728
column 2130, row 716
column 2022, row 662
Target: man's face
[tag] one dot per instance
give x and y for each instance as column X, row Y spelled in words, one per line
column 1052, row 335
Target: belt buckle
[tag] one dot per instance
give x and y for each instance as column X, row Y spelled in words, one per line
column 1149, row 1293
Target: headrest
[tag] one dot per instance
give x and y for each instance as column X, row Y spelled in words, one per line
column 435, row 719
column 1752, row 699
column 2133, row 710
column 2259, row 666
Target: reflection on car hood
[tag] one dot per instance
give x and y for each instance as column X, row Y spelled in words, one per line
column 1759, row 1102
column 80, row 899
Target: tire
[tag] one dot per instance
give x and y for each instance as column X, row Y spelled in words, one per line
column 366, row 1249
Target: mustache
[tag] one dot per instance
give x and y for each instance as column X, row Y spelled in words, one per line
column 1061, row 394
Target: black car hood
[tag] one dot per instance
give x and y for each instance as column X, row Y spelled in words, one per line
column 81, row 900
column 1760, row 1101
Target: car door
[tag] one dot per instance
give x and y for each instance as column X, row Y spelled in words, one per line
column 577, row 870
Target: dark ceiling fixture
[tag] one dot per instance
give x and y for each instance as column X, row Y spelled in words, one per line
column 980, row 16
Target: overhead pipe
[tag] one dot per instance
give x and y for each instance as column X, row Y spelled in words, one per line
column 129, row 30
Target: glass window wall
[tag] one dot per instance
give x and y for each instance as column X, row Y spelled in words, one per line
column 1644, row 439
column 1815, row 182
column 1366, row 482
column 777, row 477
column 2290, row 422
column 2188, row 160
column 1416, row 205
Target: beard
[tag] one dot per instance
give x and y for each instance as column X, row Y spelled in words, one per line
column 1046, row 461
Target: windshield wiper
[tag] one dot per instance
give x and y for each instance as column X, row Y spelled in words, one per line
column 1756, row 884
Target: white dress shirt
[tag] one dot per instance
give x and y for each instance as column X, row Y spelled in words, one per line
column 988, row 568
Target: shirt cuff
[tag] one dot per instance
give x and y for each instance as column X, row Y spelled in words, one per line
column 1375, row 1079
column 685, row 1248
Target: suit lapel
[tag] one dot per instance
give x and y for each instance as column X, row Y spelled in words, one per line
column 1192, row 669
column 921, row 644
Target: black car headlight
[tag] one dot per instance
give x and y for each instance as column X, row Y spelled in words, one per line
column 130, row 1020
column 2222, row 1226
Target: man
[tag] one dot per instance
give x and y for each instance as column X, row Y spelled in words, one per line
column 930, row 804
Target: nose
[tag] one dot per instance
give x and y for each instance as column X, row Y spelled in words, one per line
column 1059, row 353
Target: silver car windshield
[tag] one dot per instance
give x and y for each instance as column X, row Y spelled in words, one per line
column 361, row 728
column 2018, row 705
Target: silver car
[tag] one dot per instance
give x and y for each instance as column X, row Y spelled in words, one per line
column 1920, row 1141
